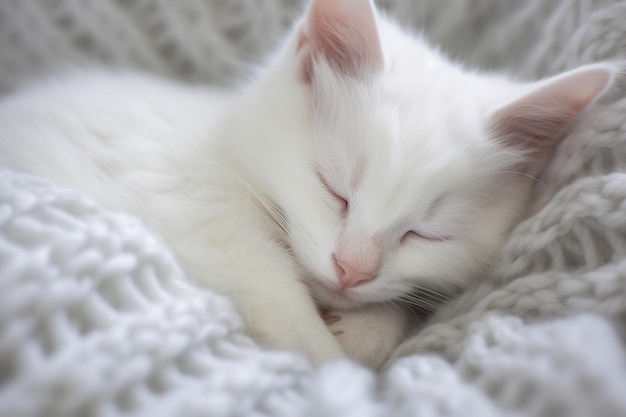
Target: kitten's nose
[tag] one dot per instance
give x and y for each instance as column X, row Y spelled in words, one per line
column 349, row 276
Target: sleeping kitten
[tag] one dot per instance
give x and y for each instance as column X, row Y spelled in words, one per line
column 359, row 168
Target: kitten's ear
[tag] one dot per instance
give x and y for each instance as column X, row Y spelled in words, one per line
column 536, row 122
column 344, row 33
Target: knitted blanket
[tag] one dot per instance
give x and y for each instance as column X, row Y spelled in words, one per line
column 97, row 319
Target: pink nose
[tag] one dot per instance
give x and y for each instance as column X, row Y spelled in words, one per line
column 349, row 276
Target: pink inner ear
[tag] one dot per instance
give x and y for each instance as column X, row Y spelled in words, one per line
column 537, row 121
column 344, row 33
column 532, row 126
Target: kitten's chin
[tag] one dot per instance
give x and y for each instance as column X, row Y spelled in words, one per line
column 328, row 297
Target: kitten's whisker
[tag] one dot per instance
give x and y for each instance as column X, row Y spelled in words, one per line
column 524, row 174
column 433, row 293
column 423, row 298
column 272, row 213
column 420, row 303
column 516, row 214
column 535, row 179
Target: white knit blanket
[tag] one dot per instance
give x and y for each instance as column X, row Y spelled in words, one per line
column 97, row 319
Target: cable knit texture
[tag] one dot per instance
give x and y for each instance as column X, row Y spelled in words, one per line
column 97, row 319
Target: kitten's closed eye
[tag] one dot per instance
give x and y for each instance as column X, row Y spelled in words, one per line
column 340, row 199
column 415, row 234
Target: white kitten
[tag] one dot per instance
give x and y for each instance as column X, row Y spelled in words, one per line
column 361, row 166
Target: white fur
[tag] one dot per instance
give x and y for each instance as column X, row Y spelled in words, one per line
column 212, row 172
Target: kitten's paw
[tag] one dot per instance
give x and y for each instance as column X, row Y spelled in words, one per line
column 369, row 334
column 287, row 332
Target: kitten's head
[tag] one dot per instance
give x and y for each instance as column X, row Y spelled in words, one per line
column 414, row 169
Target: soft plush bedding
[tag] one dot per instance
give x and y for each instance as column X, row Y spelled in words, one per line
column 97, row 319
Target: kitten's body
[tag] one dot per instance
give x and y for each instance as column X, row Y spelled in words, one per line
column 391, row 166
column 148, row 147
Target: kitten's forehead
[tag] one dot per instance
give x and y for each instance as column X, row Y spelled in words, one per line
column 377, row 136
column 411, row 184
